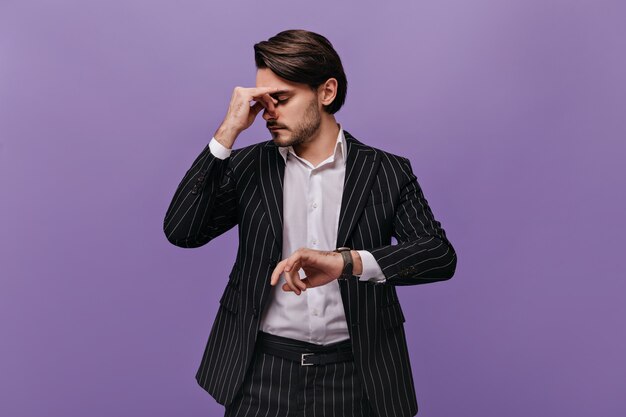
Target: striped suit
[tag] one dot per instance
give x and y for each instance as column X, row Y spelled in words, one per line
column 381, row 199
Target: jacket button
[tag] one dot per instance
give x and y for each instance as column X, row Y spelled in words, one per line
column 194, row 190
column 255, row 312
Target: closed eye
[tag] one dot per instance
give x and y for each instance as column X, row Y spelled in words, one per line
column 279, row 98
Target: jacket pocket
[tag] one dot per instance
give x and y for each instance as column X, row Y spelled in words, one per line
column 230, row 298
column 231, row 295
column 376, row 199
column 391, row 315
column 233, row 277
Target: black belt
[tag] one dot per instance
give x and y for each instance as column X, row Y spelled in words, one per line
column 302, row 352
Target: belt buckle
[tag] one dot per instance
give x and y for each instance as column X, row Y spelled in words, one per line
column 302, row 359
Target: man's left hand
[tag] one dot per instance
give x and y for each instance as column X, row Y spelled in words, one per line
column 320, row 268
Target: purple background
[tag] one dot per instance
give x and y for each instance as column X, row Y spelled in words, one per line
column 512, row 113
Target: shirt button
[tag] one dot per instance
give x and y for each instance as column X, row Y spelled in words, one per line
column 314, row 242
column 314, row 205
column 314, row 312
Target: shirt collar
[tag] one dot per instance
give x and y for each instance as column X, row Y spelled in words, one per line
column 340, row 144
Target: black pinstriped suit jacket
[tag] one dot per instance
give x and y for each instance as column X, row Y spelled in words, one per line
column 381, row 199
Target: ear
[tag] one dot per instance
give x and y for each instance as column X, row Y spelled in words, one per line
column 328, row 91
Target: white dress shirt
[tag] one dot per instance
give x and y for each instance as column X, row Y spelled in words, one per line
column 311, row 203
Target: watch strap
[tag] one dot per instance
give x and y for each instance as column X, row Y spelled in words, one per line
column 348, row 263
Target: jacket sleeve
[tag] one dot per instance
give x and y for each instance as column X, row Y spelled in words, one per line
column 423, row 253
column 205, row 203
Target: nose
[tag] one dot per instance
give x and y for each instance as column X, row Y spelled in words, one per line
column 267, row 115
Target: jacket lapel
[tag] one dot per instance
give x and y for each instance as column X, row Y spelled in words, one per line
column 271, row 171
column 361, row 166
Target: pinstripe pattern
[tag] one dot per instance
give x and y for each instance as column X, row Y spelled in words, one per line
column 381, row 199
column 280, row 388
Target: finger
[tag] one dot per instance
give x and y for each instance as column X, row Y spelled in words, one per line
column 256, row 108
column 274, row 101
column 291, row 284
column 295, row 271
column 301, row 284
column 267, row 101
column 292, row 261
column 258, row 91
column 270, row 102
column 265, row 97
column 289, row 276
column 287, row 288
column 278, row 269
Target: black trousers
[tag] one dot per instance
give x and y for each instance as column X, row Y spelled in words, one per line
column 278, row 387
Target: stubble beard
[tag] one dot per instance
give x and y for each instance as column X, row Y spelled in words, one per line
column 309, row 125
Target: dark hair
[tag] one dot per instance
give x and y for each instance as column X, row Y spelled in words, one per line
column 305, row 57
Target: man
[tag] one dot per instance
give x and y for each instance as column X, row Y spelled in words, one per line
column 309, row 322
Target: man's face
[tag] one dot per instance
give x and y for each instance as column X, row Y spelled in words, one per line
column 297, row 112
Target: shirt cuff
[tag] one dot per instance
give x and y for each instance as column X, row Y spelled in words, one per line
column 218, row 150
column 371, row 269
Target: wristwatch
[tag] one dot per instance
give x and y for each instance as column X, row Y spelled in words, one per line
column 348, row 264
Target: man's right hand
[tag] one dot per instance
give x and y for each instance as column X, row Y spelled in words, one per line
column 241, row 113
